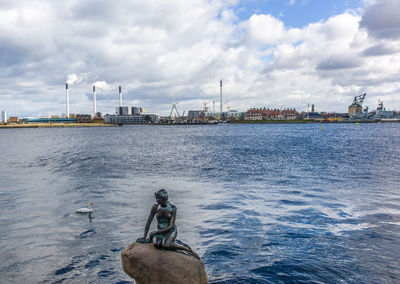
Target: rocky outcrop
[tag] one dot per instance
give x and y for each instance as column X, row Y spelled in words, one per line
column 148, row 265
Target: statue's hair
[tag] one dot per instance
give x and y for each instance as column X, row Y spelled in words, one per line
column 162, row 193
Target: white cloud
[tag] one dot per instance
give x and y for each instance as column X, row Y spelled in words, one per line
column 103, row 85
column 382, row 20
column 265, row 29
column 72, row 78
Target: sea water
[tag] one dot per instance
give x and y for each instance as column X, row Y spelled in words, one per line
column 259, row 203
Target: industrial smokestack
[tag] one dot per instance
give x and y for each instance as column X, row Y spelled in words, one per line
column 120, row 97
column 94, row 101
column 220, row 104
column 67, row 100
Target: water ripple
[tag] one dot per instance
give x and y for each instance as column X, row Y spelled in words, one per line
column 260, row 203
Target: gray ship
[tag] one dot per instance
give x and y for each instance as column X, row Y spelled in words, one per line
column 357, row 113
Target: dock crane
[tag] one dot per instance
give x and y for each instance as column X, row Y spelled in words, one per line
column 358, row 100
column 176, row 111
column 205, row 110
column 355, row 109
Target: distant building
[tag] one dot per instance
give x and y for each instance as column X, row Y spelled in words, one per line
column 131, row 119
column 195, row 114
column 271, row 114
column 13, row 119
column 136, row 110
column 313, row 116
column 98, row 120
column 83, row 118
column 234, row 114
column 290, row 114
column 4, row 116
column 122, row 110
column 253, row 116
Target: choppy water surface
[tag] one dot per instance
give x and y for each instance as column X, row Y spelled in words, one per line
column 260, row 203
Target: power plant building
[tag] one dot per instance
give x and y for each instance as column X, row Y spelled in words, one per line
column 136, row 110
column 131, row 119
column 195, row 114
column 122, row 110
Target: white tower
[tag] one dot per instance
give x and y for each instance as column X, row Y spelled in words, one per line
column 120, row 97
column 220, row 98
column 67, row 100
column 4, row 116
column 94, row 101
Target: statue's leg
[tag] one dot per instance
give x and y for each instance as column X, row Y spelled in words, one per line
column 169, row 243
column 158, row 241
column 169, row 238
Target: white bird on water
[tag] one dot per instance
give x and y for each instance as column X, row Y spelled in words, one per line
column 86, row 210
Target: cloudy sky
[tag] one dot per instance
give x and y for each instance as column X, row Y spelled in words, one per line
column 272, row 53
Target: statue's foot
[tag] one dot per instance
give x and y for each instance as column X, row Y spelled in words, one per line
column 194, row 254
column 186, row 252
column 143, row 240
column 187, row 249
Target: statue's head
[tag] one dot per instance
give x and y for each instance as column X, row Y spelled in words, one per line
column 161, row 196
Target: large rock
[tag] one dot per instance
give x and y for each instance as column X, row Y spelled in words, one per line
column 148, row 265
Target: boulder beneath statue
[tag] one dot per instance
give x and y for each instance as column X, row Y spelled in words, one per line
column 148, row 265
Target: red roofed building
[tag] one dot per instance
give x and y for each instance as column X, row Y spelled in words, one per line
column 290, row 114
column 270, row 114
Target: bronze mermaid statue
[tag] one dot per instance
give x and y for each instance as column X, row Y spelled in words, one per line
column 165, row 236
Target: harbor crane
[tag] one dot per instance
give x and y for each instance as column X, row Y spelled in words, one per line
column 355, row 109
column 358, row 100
column 205, row 110
column 205, row 107
column 176, row 111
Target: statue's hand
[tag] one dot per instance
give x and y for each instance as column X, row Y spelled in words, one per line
column 142, row 240
column 152, row 234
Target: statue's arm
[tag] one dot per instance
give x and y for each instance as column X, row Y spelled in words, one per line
column 151, row 216
column 171, row 224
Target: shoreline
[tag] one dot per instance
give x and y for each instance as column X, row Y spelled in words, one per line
column 297, row 121
column 58, row 125
column 54, row 125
